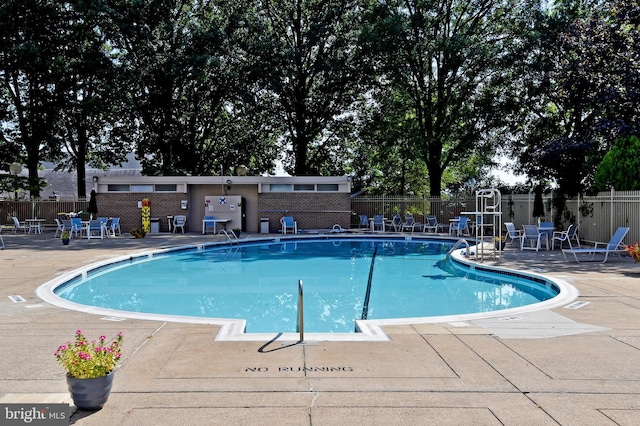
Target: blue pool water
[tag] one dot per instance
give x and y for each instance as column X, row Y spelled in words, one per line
column 343, row 280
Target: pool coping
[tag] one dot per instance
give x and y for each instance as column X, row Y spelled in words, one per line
column 368, row 330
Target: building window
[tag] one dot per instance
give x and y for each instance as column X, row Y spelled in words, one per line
column 167, row 188
column 328, row 187
column 141, row 188
column 304, row 187
column 280, row 187
column 117, row 188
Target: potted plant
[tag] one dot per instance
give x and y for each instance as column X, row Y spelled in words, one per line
column 634, row 251
column 137, row 232
column 500, row 242
column 90, row 368
column 65, row 237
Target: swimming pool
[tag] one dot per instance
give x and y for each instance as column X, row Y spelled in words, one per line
column 347, row 282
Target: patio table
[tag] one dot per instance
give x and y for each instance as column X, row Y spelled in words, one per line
column 35, row 225
column 215, row 222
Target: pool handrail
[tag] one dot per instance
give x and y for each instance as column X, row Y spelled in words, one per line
column 458, row 244
column 300, row 324
column 230, row 231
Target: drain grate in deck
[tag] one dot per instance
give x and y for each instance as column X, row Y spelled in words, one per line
column 577, row 305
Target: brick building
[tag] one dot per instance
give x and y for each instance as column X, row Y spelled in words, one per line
column 316, row 202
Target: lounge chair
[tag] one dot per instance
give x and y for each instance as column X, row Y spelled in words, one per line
column 396, row 223
column 289, row 224
column 613, row 246
column 513, row 234
column 531, row 238
column 432, row 224
column 410, row 224
column 568, row 235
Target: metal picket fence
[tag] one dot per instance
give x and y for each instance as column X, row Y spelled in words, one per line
column 598, row 216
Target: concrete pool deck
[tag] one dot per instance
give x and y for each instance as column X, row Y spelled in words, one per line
column 575, row 365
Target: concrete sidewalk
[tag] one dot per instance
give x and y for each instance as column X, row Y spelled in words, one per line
column 490, row 372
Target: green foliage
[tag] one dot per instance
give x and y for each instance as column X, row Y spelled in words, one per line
column 410, row 97
column 576, row 110
column 30, row 68
column 83, row 359
column 309, row 62
column 620, row 167
column 448, row 81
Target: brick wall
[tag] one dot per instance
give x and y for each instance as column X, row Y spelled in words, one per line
column 316, row 210
column 125, row 206
column 310, row 210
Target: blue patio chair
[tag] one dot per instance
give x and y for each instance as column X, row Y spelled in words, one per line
column 513, row 234
column 95, row 229
column 459, row 227
column 570, row 234
column 76, row 226
column 410, row 224
column 531, row 238
column 289, row 224
column 378, row 222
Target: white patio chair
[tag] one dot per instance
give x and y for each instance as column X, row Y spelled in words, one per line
column 59, row 228
column 17, row 225
column 179, row 221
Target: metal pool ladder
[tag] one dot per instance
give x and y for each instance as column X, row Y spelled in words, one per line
column 231, row 236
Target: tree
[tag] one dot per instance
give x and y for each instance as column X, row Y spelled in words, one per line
column 620, row 167
column 30, row 69
column 92, row 95
column 576, row 111
column 312, row 67
column 191, row 112
column 453, row 62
